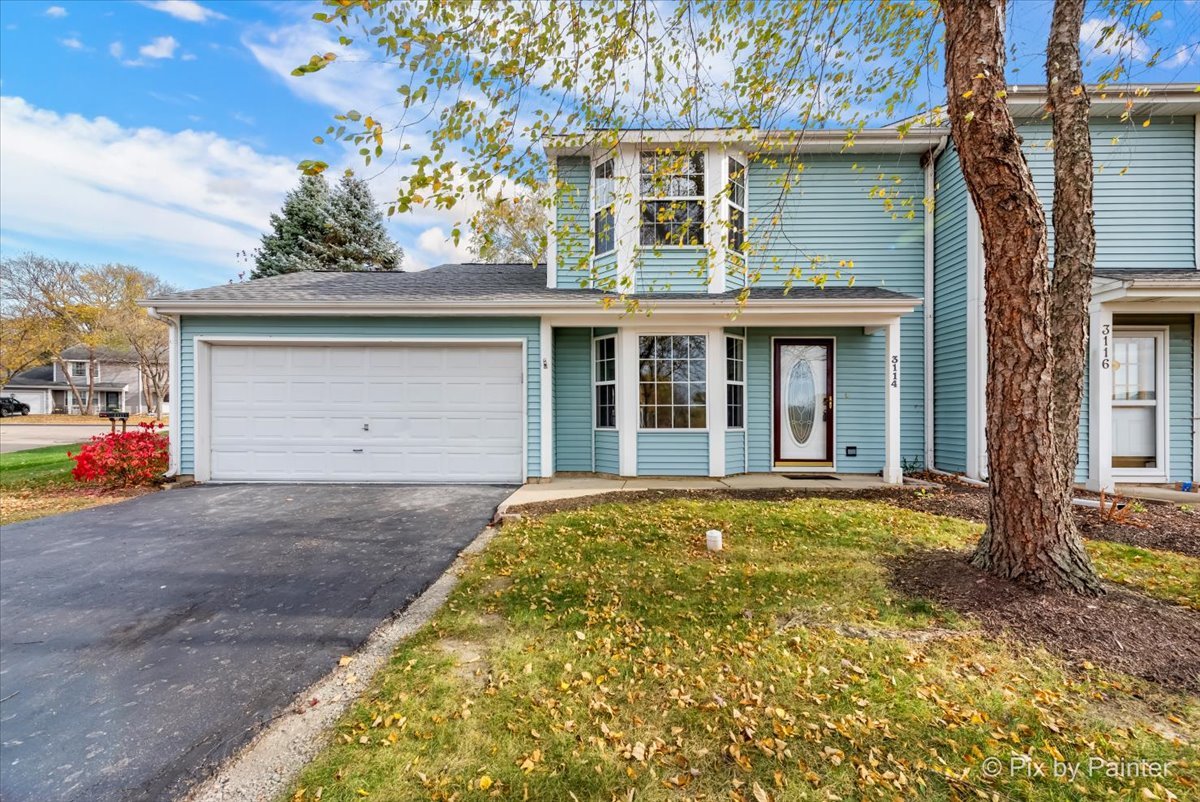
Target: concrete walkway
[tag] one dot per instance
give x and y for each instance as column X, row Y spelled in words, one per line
column 24, row 436
column 1158, row 493
column 560, row 488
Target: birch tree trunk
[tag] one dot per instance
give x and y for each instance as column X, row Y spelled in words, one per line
column 1074, row 227
column 1030, row 534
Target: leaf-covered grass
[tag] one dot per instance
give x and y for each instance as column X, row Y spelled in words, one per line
column 37, row 483
column 604, row 654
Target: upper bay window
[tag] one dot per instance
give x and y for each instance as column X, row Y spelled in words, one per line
column 79, row 370
column 736, row 203
column 672, row 190
column 604, row 237
column 671, row 382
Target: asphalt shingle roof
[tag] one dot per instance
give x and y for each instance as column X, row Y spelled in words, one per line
column 463, row 282
column 1135, row 274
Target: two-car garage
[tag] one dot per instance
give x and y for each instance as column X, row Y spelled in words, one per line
column 433, row 411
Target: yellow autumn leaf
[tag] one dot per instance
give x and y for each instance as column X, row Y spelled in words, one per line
column 485, row 782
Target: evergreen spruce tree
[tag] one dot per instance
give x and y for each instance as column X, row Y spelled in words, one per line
column 298, row 232
column 320, row 229
column 359, row 240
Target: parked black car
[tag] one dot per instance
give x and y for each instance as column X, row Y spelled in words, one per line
column 11, row 406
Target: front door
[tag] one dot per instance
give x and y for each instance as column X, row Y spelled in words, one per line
column 1137, row 409
column 803, row 402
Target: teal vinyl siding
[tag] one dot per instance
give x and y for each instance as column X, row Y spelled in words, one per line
column 572, row 399
column 1084, row 451
column 605, row 268
column 735, row 451
column 680, row 453
column 827, row 210
column 1180, row 431
column 1145, row 217
column 950, row 315
column 365, row 327
column 608, row 456
column 572, row 223
column 672, row 270
column 859, row 387
column 735, row 273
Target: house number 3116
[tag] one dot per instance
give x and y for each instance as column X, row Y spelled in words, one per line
column 1105, row 361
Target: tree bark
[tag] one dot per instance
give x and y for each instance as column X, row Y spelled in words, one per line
column 1074, row 227
column 1030, row 536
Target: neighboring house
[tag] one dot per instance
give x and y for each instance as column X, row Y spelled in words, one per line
column 117, row 383
column 507, row 373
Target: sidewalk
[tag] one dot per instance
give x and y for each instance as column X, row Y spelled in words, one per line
column 566, row 487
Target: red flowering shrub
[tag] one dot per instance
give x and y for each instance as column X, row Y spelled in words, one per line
column 123, row 459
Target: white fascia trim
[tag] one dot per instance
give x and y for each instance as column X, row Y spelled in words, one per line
column 661, row 306
column 173, row 364
column 883, row 140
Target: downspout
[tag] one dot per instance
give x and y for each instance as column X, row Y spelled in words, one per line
column 173, row 388
column 931, row 158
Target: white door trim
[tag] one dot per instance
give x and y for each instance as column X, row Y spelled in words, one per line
column 832, row 466
column 202, row 380
column 1162, row 362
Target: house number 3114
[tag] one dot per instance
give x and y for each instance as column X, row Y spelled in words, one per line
column 895, row 370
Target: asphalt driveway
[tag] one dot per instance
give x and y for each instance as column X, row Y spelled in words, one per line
column 24, row 436
column 143, row 642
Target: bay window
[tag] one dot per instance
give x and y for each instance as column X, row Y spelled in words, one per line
column 736, row 206
column 604, row 237
column 671, row 382
column 672, row 191
column 735, row 382
column 604, row 380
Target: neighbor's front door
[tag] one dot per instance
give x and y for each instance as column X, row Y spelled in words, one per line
column 803, row 402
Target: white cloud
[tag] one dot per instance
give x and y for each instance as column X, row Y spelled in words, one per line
column 435, row 247
column 161, row 47
column 1113, row 38
column 116, row 50
column 1184, row 56
column 187, row 10
column 190, row 195
column 188, row 57
column 71, row 43
column 57, row 12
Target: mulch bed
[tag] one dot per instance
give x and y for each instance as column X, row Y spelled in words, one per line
column 1121, row 630
column 1161, row 526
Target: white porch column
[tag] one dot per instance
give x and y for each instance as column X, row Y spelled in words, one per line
column 1196, row 379
column 977, row 358
column 715, row 370
column 1100, row 400
column 546, row 347
column 627, row 411
column 891, row 460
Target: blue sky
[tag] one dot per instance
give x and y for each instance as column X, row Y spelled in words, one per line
column 163, row 134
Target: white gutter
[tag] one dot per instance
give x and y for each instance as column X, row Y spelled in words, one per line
column 585, row 306
column 930, row 212
column 173, row 388
column 875, row 140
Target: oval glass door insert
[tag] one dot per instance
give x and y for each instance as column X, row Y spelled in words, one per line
column 801, row 400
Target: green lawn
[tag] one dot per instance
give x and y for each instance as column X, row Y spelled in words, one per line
column 37, row 467
column 603, row 654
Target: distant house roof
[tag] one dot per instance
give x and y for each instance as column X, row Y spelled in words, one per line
column 80, row 352
column 509, row 284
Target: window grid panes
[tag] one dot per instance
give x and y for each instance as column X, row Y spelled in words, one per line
column 79, row 370
column 737, row 206
column 604, row 205
column 735, row 382
column 1134, row 369
column 605, row 372
column 672, row 189
column 672, row 392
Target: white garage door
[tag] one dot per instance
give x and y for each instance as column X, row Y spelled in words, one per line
column 373, row 413
column 36, row 399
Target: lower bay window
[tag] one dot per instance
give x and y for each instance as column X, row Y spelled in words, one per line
column 672, row 381
column 735, row 382
column 604, row 379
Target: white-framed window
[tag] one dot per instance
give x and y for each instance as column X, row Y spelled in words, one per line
column 735, row 382
column 672, row 391
column 604, row 381
column 79, row 370
column 672, row 191
column 735, row 203
column 604, row 235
